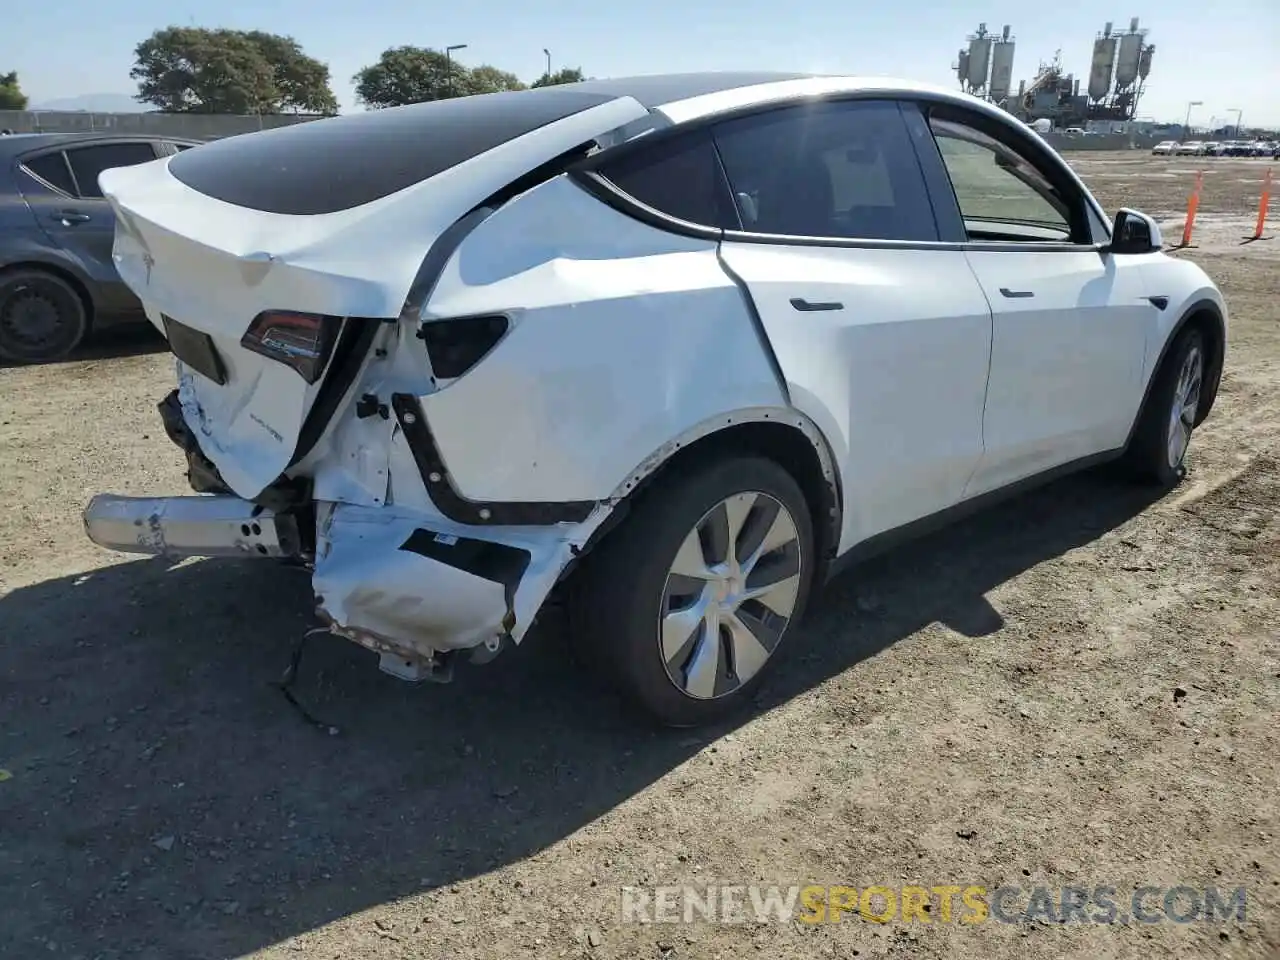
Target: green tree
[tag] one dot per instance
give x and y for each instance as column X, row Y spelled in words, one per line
column 487, row 79
column 411, row 75
column 199, row 70
column 11, row 95
column 567, row 75
column 302, row 81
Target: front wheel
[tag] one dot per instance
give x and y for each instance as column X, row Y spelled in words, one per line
column 688, row 604
column 1159, row 448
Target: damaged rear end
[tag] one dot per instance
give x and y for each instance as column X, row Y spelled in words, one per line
column 292, row 273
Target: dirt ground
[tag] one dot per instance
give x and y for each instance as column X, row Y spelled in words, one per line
column 1079, row 687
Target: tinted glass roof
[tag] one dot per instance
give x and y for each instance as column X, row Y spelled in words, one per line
column 322, row 166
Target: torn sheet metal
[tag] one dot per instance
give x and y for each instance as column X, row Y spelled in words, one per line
column 396, row 582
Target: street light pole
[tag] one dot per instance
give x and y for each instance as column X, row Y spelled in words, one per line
column 548, row 53
column 448, row 63
column 1186, row 124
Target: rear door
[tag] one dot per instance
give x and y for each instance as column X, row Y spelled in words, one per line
column 68, row 204
column 1070, row 324
column 881, row 331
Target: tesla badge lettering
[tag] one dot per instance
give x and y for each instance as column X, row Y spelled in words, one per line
column 266, row 426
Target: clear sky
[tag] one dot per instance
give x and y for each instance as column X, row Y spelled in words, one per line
column 1226, row 52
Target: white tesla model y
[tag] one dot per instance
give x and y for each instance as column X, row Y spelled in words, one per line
column 670, row 345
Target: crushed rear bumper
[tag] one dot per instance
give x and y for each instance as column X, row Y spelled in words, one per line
column 413, row 589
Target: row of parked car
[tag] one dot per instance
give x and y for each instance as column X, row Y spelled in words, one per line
column 1217, row 148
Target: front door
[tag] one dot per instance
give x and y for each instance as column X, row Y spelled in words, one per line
column 883, row 334
column 1070, row 323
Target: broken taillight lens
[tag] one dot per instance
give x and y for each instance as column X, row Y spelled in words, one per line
column 303, row 341
column 455, row 346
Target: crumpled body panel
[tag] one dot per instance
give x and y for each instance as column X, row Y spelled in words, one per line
column 396, row 582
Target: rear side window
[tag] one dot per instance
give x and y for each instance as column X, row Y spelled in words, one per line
column 838, row 170
column 323, row 166
column 680, row 177
column 52, row 169
column 88, row 162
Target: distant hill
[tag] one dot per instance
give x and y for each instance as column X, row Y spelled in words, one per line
column 95, row 103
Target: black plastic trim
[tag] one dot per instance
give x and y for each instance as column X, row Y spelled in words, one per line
column 496, row 562
column 433, row 264
column 358, row 334
column 889, row 539
column 194, row 348
column 443, row 493
column 344, row 366
column 606, row 192
column 942, row 197
column 1213, row 376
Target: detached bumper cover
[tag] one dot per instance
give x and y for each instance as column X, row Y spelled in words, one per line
column 206, row 526
column 395, row 584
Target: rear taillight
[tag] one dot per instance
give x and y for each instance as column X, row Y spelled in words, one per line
column 303, row 341
column 455, row 346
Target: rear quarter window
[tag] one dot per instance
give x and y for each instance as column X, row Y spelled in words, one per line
column 52, row 169
column 323, row 166
column 680, row 177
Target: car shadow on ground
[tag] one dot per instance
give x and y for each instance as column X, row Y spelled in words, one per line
column 131, row 338
column 165, row 800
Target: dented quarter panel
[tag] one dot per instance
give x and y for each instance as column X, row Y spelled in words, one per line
column 623, row 336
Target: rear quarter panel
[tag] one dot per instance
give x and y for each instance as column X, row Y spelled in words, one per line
column 624, row 338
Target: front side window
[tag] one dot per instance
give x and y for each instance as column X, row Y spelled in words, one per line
column 88, row 162
column 843, row 170
column 1002, row 195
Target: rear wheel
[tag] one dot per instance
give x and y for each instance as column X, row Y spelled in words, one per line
column 688, row 604
column 42, row 317
column 1159, row 448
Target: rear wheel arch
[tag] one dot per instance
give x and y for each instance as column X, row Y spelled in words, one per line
column 787, row 437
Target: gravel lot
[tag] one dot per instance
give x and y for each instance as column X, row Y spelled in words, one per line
column 1079, row 687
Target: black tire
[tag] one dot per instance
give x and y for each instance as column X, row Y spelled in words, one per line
column 621, row 589
column 1148, row 458
column 42, row 317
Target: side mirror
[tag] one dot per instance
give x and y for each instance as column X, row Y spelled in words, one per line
column 1134, row 232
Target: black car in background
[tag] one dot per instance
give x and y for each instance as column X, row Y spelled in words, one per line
column 57, row 279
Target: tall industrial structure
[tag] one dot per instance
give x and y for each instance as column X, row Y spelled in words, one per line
column 1118, row 71
column 985, row 66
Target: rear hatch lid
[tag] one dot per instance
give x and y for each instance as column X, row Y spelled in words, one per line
column 329, row 219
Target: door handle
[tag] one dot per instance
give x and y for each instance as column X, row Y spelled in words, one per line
column 71, row 216
column 809, row 306
column 1016, row 294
